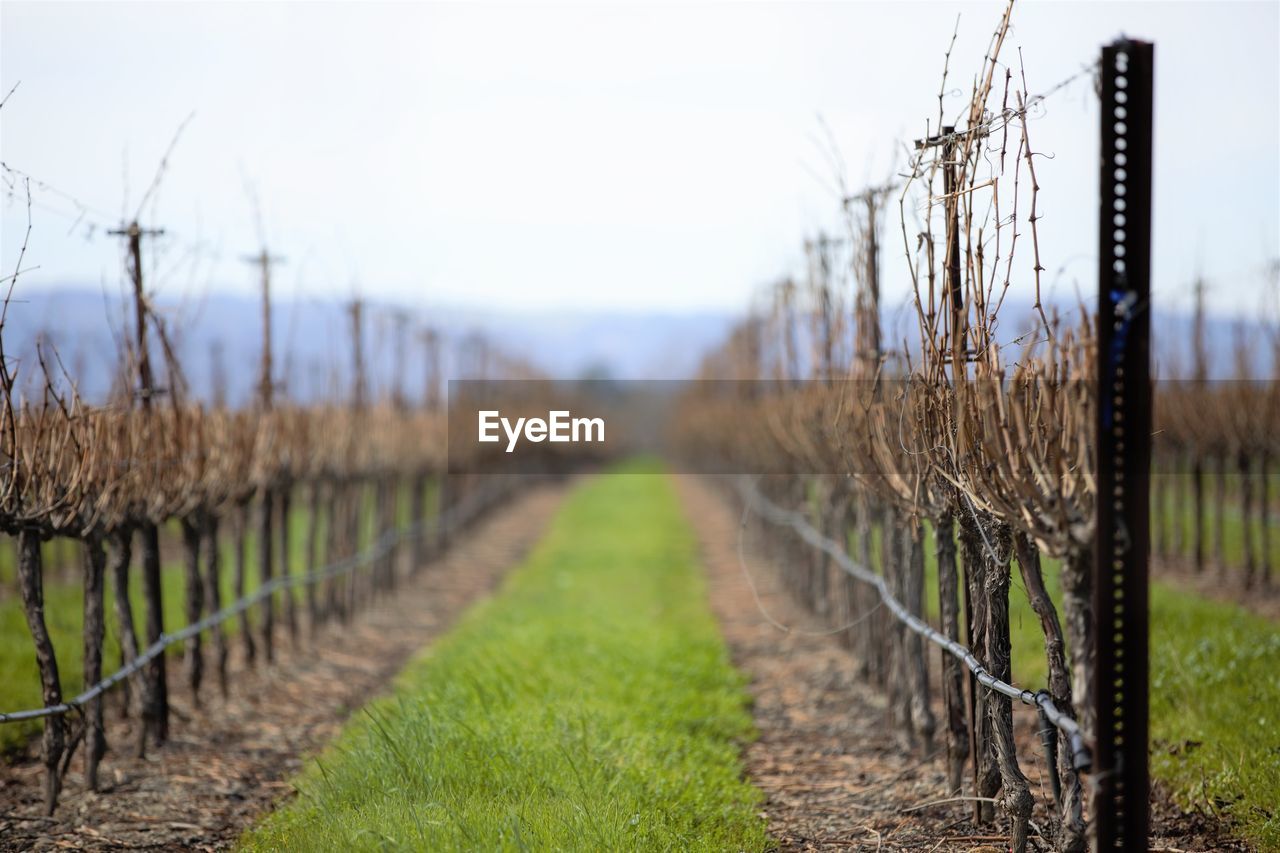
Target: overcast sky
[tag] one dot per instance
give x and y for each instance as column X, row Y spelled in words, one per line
column 600, row 156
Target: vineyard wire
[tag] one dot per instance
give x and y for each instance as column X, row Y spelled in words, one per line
column 450, row 519
column 1042, row 700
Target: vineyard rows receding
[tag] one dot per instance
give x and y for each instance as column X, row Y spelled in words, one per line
column 934, row 502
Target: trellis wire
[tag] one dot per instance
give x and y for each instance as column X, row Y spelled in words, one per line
column 460, row 514
column 1042, row 700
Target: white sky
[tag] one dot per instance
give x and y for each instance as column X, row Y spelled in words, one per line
column 599, row 156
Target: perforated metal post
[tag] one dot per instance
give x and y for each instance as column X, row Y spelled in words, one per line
column 1121, row 810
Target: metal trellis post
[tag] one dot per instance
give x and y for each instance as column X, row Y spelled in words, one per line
column 1120, row 767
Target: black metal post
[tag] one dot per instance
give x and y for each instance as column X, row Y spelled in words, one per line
column 1121, row 808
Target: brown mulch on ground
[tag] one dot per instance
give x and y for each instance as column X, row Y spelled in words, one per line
column 230, row 760
column 835, row 772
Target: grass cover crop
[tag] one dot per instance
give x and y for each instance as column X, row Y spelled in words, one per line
column 590, row 704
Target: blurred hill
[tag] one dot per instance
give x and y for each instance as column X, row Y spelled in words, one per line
column 312, row 342
column 313, row 349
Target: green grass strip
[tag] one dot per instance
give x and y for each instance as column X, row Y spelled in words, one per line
column 1215, row 710
column 1215, row 697
column 590, row 705
column 1215, row 701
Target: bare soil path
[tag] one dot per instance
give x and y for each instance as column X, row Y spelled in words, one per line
column 834, row 771
column 228, row 761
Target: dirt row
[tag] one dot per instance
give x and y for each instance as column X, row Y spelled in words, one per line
column 229, row 761
column 835, row 773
